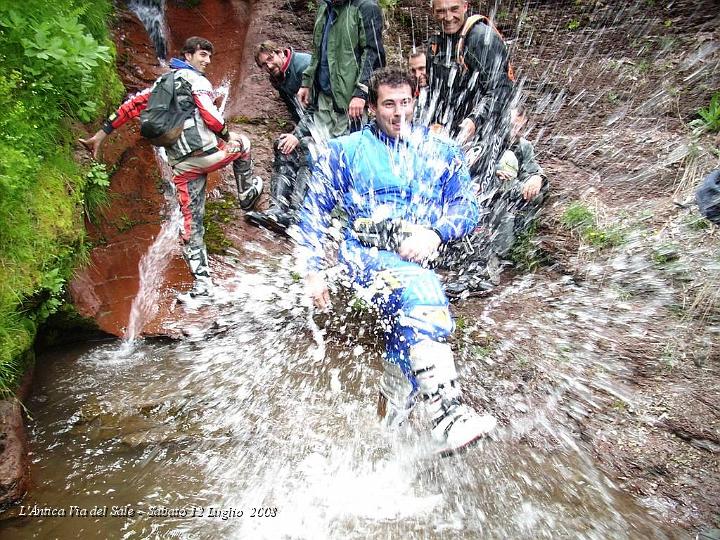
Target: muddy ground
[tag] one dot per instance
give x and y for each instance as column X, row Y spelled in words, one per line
column 617, row 343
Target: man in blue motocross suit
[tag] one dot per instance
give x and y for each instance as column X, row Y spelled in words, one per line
column 405, row 192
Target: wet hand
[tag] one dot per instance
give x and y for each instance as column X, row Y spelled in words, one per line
column 94, row 143
column 532, row 187
column 356, row 108
column 317, row 289
column 235, row 144
column 287, row 143
column 421, row 246
column 303, row 96
column 504, row 175
column 467, row 131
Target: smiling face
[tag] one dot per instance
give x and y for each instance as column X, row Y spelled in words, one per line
column 394, row 109
column 450, row 14
column 271, row 62
column 200, row 59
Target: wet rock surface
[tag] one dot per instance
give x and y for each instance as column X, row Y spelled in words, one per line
column 13, row 453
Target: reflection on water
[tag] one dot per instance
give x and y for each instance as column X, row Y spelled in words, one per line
column 252, row 434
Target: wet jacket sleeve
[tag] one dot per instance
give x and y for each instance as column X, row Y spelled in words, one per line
column 128, row 110
column 327, row 183
column 204, row 96
column 528, row 165
column 460, row 208
column 486, row 54
column 373, row 52
column 302, row 128
column 308, row 75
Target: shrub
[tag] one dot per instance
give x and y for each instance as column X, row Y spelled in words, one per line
column 57, row 64
column 581, row 220
column 709, row 116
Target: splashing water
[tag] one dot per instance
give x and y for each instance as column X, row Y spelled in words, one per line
column 153, row 264
column 152, row 14
column 252, row 421
column 152, row 268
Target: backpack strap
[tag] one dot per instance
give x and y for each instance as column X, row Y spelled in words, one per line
column 469, row 23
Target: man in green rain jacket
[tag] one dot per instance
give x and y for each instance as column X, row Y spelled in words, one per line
column 347, row 48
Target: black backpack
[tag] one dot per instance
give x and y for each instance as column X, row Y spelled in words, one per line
column 170, row 104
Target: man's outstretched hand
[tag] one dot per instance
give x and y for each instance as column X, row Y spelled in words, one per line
column 94, row 143
column 317, row 289
column 420, row 246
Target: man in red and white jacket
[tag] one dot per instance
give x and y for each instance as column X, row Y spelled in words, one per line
column 204, row 146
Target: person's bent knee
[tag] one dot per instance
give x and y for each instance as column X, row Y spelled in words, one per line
column 433, row 322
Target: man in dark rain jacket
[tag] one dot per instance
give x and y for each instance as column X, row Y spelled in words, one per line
column 285, row 68
column 470, row 86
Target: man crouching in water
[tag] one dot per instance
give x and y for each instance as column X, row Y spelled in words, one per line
column 405, row 192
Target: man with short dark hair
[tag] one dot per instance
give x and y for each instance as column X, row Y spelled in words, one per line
column 205, row 145
column 347, row 47
column 404, row 192
column 285, row 68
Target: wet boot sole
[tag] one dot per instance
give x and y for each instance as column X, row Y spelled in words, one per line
column 266, row 223
column 460, row 449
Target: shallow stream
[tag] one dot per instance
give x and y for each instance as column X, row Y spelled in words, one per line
column 266, row 430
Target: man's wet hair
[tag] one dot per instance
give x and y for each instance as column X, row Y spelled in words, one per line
column 266, row 47
column 389, row 76
column 195, row 44
column 417, row 53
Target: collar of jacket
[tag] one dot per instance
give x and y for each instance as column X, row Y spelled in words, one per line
column 176, row 63
column 288, row 59
column 384, row 137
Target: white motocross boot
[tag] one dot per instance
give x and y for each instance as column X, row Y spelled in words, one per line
column 203, row 288
column 455, row 426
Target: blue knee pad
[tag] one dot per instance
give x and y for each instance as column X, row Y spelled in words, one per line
column 409, row 298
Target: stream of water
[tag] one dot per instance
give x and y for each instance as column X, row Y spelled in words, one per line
column 262, row 432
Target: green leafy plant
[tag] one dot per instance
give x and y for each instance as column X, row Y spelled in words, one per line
column 388, row 4
column 525, row 253
column 581, row 220
column 57, row 65
column 573, row 25
column 98, row 175
column 577, row 215
column 96, row 194
column 709, row 116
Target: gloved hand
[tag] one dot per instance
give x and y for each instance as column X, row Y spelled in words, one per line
column 421, row 246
